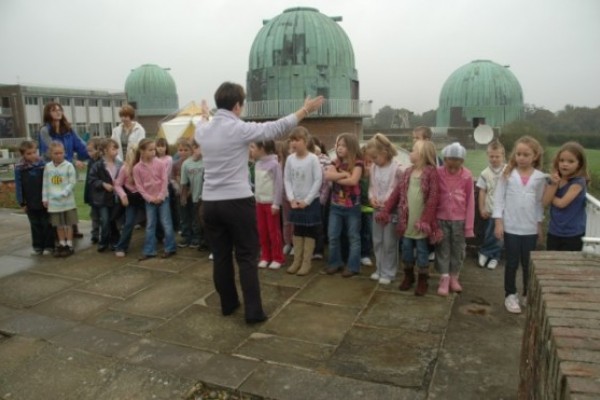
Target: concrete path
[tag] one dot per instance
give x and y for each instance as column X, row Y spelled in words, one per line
column 96, row 327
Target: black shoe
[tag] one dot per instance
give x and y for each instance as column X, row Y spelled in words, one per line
column 146, row 257
column 95, row 240
column 102, row 248
column 77, row 235
column 252, row 321
column 168, row 254
column 59, row 251
column 68, row 251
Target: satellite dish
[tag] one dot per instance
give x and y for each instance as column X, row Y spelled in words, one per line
column 483, row 134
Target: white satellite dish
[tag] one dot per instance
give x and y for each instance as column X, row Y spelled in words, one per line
column 483, row 134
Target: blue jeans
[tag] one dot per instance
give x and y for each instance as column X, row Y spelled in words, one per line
column 108, row 228
column 127, row 230
column 408, row 257
column 491, row 246
column 350, row 218
column 186, row 222
column 154, row 212
column 366, row 234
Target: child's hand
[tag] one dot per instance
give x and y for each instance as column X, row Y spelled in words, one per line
column 485, row 214
column 107, row 186
column 554, row 178
column 45, row 204
column 374, row 203
column 301, row 204
column 274, row 210
column 382, row 218
column 124, row 201
column 294, row 204
column 499, row 230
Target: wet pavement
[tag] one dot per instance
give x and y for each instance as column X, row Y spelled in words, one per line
column 95, row 326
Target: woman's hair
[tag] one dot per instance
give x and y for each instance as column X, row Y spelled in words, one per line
column 131, row 159
column 27, row 145
column 318, row 143
column 578, row 151
column 281, row 149
column 426, row 153
column 142, row 145
column 228, row 95
column 127, row 111
column 64, row 125
column 379, row 144
column 162, row 142
column 534, row 145
column 353, row 147
column 267, row 145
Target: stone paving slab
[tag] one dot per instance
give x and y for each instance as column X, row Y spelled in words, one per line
column 79, row 266
column 312, row 322
column 123, row 282
column 355, row 292
column 16, row 351
column 165, row 298
column 172, row 264
column 202, row 270
column 204, row 328
column 56, row 373
column 404, row 310
column 12, row 264
column 286, row 351
column 27, row 289
column 399, row 357
column 7, row 312
column 226, row 371
column 180, row 360
column 128, row 323
column 74, row 305
column 36, row 326
column 95, row 340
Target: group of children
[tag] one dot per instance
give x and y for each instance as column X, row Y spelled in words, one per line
column 427, row 206
column 147, row 186
column 423, row 208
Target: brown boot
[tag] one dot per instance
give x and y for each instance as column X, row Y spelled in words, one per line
column 422, row 285
column 409, row 277
column 298, row 251
column 309, row 247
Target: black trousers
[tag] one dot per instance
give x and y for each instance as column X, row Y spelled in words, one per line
column 42, row 233
column 557, row 243
column 230, row 226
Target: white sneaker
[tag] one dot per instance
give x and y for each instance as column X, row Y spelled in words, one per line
column 432, row 256
column 292, row 251
column 384, row 281
column 274, row 265
column 483, row 259
column 47, row 252
column 263, row 264
column 375, row 276
column 317, row 256
column 366, row 261
column 511, row 302
column 210, row 257
column 492, row 264
column 287, row 248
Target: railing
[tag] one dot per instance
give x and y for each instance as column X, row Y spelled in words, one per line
column 12, row 143
column 591, row 240
column 330, row 108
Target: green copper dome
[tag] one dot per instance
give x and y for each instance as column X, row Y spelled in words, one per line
column 479, row 90
column 152, row 90
column 298, row 53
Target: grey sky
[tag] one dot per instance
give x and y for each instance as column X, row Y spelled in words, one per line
column 404, row 50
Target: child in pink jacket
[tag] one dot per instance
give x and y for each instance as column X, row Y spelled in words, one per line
column 455, row 214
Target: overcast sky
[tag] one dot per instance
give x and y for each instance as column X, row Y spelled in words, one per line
column 404, row 50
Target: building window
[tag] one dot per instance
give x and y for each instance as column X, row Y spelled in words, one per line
column 93, row 102
column 65, row 101
column 95, row 130
column 106, row 103
column 107, row 129
column 79, row 102
column 31, row 100
column 34, row 130
column 80, row 128
column 5, row 102
column 47, row 100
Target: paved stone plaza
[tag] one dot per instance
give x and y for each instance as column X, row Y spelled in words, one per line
column 97, row 327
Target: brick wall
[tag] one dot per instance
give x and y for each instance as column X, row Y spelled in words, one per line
column 560, row 355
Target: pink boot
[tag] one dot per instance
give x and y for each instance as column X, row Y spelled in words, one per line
column 454, row 284
column 443, row 287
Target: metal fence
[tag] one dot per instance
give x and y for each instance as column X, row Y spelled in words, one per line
column 330, row 108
